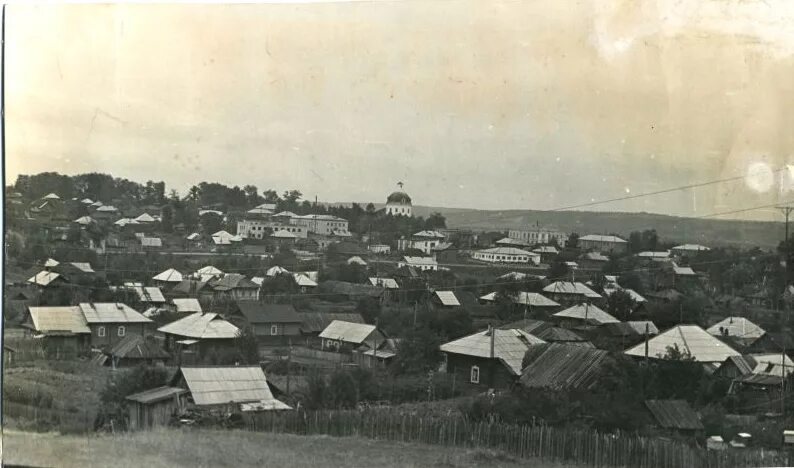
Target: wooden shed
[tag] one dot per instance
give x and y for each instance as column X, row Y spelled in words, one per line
column 155, row 407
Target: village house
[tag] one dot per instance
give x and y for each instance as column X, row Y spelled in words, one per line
column 592, row 261
column 445, row 252
column 562, row 367
column 304, row 281
column 186, row 305
column 568, row 292
column 110, row 322
column 196, row 335
column 420, row 263
column 270, row 323
column 313, row 323
column 510, row 242
column 739, row 329
column 603, row 244
column 168, row 278
column 445, row 299
column 322, row 224
column 620, row 335
column 64, row 329
column 423, row 241
column 490, row 358
column 584, row 315
column 507, row 255
column 547, row 332
column 547, row 253
column 134, row 350
column 688, row 249
column 346, row 336
column 234, row 287
column 771, row 364
column 691, row 340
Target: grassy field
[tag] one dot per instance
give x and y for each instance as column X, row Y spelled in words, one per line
column 206, row 448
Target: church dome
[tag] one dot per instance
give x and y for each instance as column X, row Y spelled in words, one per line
column 400, row 198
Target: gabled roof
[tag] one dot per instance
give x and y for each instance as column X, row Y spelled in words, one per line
column 509, row 346
column 259, row 312
column 231, row 281
column 691, row 247
column 111, row 312
column 187, row 305
column 226, row 385
column 388, row 283
column 683, row 271
column 170, row 276
column 568, row 287
column 58, row 319
column 633, row 328
column 84, row 220
column 209, row 270
column 315, row 322
column 546, row 249
column 430, row 234
column 87, row 201
column 145, row 218
column 224, row 238
column 691, row 339
column 44, row 278
column 419, row 260
column 283, row 234
column 557, row 366
column 738, row 327
column 189, row 286
column 85, row 267
column 595, row 257
column 533, row 300
column 156, row 394
column 276, row 270
column 508, row 251
column 350, row 289
column 134, row 346
column 149, row 294
column 303, row 281
column 356, row 260
column 125, row 221
column 193, row 236
column 600, row 238
column 51, row 196
column 518, row 276
column 348, row 332
column 655, row 255
column 587, row 313
column 51, row 262
column 107, row 209
column 288, row 214
column 510, row 241
column 674, row 414
column 201, row 326
column 447, row 298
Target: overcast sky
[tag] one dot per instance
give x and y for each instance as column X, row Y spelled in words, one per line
column 531, row 104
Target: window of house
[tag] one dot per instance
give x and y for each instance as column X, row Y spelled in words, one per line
column 100, row 331
column 122, row 331
column 274, row 329
column 475, row 374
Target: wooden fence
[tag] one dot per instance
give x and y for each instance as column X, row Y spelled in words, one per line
column 523, row 441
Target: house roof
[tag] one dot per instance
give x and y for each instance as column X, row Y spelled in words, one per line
column 111, row 312
column 315, row 322
column 509, row 346
column 388, row 283
column 209, row 270
column 231, row 281
column 51, row 262
column 58, row 319
column 44, row 278
column 533, row 299
column 145, row 218
column 51, row 196
column 125, row 221
column 189, row 286
column 187, row 305
column 260, row 312
column 170, row 275
column 635, row 296
column 632, row 328
column 193, row 236
column 508, row 251
column 683, row 271
column 357, row 260
column 283, row 234
column 595, row 257
column 276, row 270
column 558, row 366
column 568, row 287
column 201, row 326
column 156, row 394
column 287, row 214
column 588, row 313
column 224, row 238
column 134, row 346
column 690, row 339
column 347, row 331
column 302, row 280
column 419, row 260
column 600, row 238
column 447, row 298
column 430, row 234
column 691, row 247
column 225, row 385
column 650, row 254
column 674, row 414
column 84, row 220
column 738, row 327
column 510, row 241
column 547, row 249
column 85, row 267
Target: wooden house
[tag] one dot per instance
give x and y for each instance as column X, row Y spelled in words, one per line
column 346, row 336
column 154, row 408
column 271, row 323
column 192, row 337
column 110, row 322
column 63, row 329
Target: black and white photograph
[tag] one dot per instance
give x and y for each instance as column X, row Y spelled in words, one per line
column 398, row 233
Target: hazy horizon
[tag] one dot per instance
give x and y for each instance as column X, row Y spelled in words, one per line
column 496, row 106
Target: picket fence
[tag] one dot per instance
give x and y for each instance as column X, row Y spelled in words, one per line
column 543, row 442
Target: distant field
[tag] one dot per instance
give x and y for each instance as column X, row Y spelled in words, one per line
column 206, row 448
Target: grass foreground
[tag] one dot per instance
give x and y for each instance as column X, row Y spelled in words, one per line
column 216, row 448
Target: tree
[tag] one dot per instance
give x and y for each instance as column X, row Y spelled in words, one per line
column 417, row 352
column 247, row 346
column 211, row 223
column 620, row 305
column 436, row 221
column 252, row 197
column 558, row 271
column 270, row 196
column 194, row 194
column 125, row 382
column 167, row 222
column 573, row 241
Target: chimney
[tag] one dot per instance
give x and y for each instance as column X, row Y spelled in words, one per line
column 493, row 333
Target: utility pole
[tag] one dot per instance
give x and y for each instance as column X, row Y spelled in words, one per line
column 786, row 210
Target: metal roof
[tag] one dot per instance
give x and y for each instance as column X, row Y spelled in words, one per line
column 170, row 275
column 224, row 238
column 650, row 254
column 107, row 208
column 447, row 298
column 690, row 339
column 738, row 327
column 420, row 260
column 683, row 271
column 558, row 366
column 125, row 221
column 111, row 312
column 134, row 346
column 587, row 313
column 304, row 281
column 189, row 305
column 231, row 281
column 508, row 251
column 260, row 312
column 201, row 326
column 674, row 414
column 208, row 270
column 44, row 278
column 193, row 236
column 595, row 257
column 533, row 300
column 568, row 287
column 276, row 270
column 600, row 238
column 430, row 234
column 149, row 294
column 59, row 319
column 156, row 394
column 145, row 218
column 690, row 247
column 357, row 260
column 546, row 249
column 84, row 220
column 388, row 283
column 632, row 328
column 284, row 234
column 225, row 385
column 85, row 267
column 509, row 346
column 51, row 262
column 315, row 322
column 347, row 331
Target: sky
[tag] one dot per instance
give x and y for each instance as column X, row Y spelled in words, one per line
column 489, row 105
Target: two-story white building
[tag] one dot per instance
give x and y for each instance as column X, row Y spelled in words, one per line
column 507, row 255
column 327, row 225
column 538, row 235
column 423, row 240
column 261, row 229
